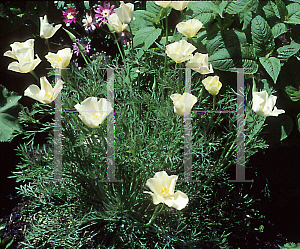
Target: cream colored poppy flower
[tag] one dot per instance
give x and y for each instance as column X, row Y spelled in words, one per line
column 163, row 4
column 46, row 94
column 61, row 59
column 93, row 112
column 115, row 25
column 212, row 84
column 199, row 63
column 180, row 51
column 24, row 53
column 189, row 28
column 125, row 12
column 265, row 106
column 183, row 103
column 163, row 187
column 179, row 5
column 46, row 29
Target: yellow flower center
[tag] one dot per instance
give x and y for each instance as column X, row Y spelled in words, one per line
column 201, row 64
column 70, row 16
column 47, row 95
column 96, row 116
column 105, row 13
column 59, row 60
column 164, row 192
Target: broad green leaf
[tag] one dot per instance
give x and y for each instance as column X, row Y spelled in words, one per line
column 232, row 58
column 241, row 7
column 279, row 29
column 293, row 13
column 272, row 66
column 281, row 9
column 9, row 109
column 204, row 11
column 147, row 37
column 143, row 19
column 262, row 36
column 220, row 8
column 230, row 38
column 298, row 118
column 158, row 11
column 271, row 10
column 292, row 93
column 277, row 129
column 286, row 51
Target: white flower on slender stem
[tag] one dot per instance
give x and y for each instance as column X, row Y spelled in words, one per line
column 46, row 29
column 179, row 5
column 199, row 63
column 212, row 84
column 61, row 59
column 115, row 25
column 265, row 106
column 163, row 4
column 93, row 112
column 163, row 187
column 183, row 103
column 125, row 12
column 24, row 53
column 189, row 28
column 47, row 93
column 180, row 51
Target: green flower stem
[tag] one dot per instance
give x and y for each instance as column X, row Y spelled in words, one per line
column 200, row 95
column 212, row 116
column 131, row 35
column 180, row 78
column 165, row 66
column 131, row 146
column 47, row 42
column 121, row 53
column 156, row 212
column 34, row 75
column 214, row 102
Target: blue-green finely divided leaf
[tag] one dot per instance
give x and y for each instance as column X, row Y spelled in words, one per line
column 279, row 29
column 9, row 109
column 286, row 51
column 262, row 36
column 293, row 13
column 272, row 66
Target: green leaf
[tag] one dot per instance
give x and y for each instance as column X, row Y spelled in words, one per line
column 286, row 51
column 86, row 4
column 157, row 11
column 279, row 29
column 281, row 9
column 220, row 8
column 143, row 19
column 292, row 93
column 147, row 37
column 204, row 11
column 230, row 38
column 9, row 109
column 262, row 36
column 277, row 129
column 272, row 66
column 293, row 13
column 232, row 58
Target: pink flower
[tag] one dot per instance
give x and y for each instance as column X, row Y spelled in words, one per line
column 70, row 15
column 89, row 23
column 104, row 12
column 76, row 49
